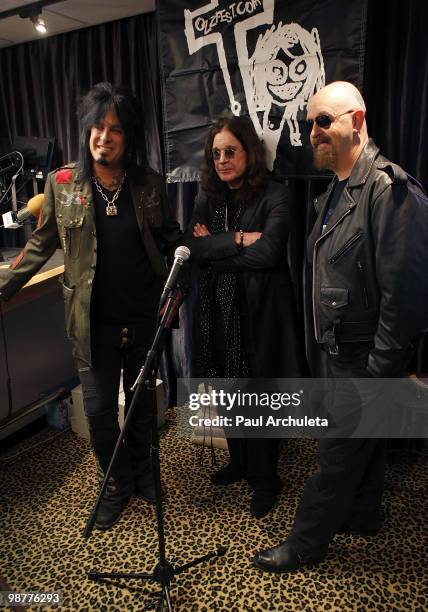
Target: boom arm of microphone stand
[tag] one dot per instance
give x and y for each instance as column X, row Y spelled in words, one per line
column 168, row 313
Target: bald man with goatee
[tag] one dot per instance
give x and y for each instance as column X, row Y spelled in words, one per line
column 369, row 259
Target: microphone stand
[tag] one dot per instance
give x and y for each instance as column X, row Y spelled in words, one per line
column 164, row 571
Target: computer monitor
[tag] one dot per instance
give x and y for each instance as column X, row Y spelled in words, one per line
column 37, row 152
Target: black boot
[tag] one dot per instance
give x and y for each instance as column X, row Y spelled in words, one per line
column 262, row 503
column 114, row 501
column 228, row 475
column 264, row 500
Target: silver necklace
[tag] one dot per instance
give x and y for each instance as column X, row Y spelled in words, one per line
column 111, row 208
column 226, row 221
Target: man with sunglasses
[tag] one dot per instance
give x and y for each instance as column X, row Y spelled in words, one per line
column 369, row 260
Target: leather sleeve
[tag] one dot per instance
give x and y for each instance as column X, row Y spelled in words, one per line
column 271, row 249
column 38, row 249
column 208, row 248
column 399, row 219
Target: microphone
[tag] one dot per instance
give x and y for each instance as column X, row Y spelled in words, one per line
column 182, row 254
column 13, row 220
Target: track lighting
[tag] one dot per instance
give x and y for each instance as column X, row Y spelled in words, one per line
column 39, row 23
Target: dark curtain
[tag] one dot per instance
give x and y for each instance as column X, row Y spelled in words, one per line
column 42, row 81
column 396, row 82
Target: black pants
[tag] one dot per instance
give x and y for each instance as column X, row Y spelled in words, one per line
column 348, row 486
column 113, row 348
column 259, row 458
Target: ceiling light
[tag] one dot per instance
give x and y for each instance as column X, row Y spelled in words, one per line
column 39, row 24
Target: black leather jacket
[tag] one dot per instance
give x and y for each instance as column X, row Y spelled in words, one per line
column 269, row 328
column 370, row 267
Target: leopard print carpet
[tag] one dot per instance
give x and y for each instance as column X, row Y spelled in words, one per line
column 47, row 493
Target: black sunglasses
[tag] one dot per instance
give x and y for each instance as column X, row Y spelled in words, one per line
column 325, row 121
column 229, row 153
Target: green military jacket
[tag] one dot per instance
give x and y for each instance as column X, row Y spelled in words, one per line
column 68, row 222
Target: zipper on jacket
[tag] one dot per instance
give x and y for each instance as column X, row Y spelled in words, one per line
column 363, row 284
column 345, row 247
column 330, row 229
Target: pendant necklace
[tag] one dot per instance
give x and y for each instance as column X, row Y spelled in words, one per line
column 111, row 208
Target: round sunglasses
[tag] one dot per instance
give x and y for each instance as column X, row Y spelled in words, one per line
column 229, row 153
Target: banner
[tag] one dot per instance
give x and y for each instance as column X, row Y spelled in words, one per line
column 261, row 58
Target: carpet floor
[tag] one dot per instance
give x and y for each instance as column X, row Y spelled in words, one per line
column 48, row 487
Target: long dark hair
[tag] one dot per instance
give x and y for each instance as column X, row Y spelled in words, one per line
column 94, row 106
column 256, row 175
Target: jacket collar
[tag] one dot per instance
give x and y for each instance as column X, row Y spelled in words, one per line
column 363, row 165
column 350, row 195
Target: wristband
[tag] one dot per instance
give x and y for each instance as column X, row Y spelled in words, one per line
column 241, row 239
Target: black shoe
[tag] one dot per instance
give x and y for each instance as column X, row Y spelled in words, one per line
column 114, row 501
column 283, row 559
column 262, row 504
column 228, row 475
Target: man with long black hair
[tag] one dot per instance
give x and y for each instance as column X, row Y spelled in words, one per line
column 245, row 317
column 112, row 219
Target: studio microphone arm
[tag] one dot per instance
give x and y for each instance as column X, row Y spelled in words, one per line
column 13, row 219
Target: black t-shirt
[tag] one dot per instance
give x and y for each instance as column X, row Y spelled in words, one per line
column 126, row 289
column 334, row 198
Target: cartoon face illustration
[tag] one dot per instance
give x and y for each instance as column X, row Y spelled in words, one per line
column 287, row 65
column 285, row 70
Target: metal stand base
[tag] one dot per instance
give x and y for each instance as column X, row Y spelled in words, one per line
column 163, row 575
